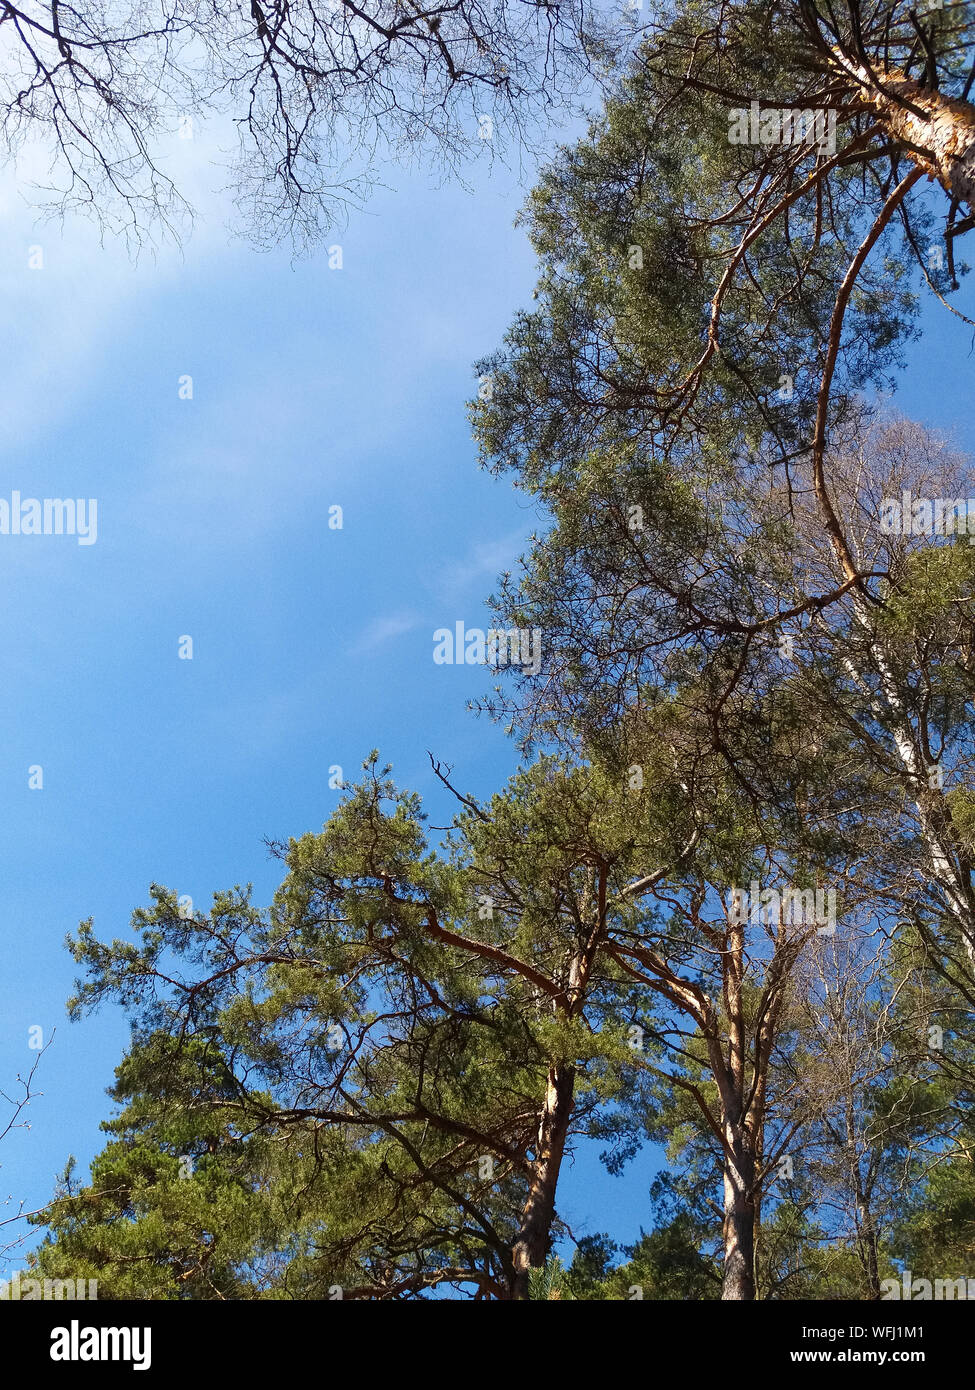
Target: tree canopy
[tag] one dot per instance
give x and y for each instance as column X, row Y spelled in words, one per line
column 726, row 906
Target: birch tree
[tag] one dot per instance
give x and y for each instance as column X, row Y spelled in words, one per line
column 321, row 94
column 684, row 397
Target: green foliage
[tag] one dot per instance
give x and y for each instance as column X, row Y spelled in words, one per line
column 363, row 1088
column 179, row 1204
column 665, row 1264
column 549, row 1283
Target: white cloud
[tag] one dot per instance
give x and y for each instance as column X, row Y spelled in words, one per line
column 484, row 561
column 382, row 630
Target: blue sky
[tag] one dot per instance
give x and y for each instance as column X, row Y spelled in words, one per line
column 311, row 388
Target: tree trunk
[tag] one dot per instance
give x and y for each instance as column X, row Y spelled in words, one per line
column 871, row 1263
column 941, row 139
column 738, row 1277
column 934, row 816
column 531, row 1248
